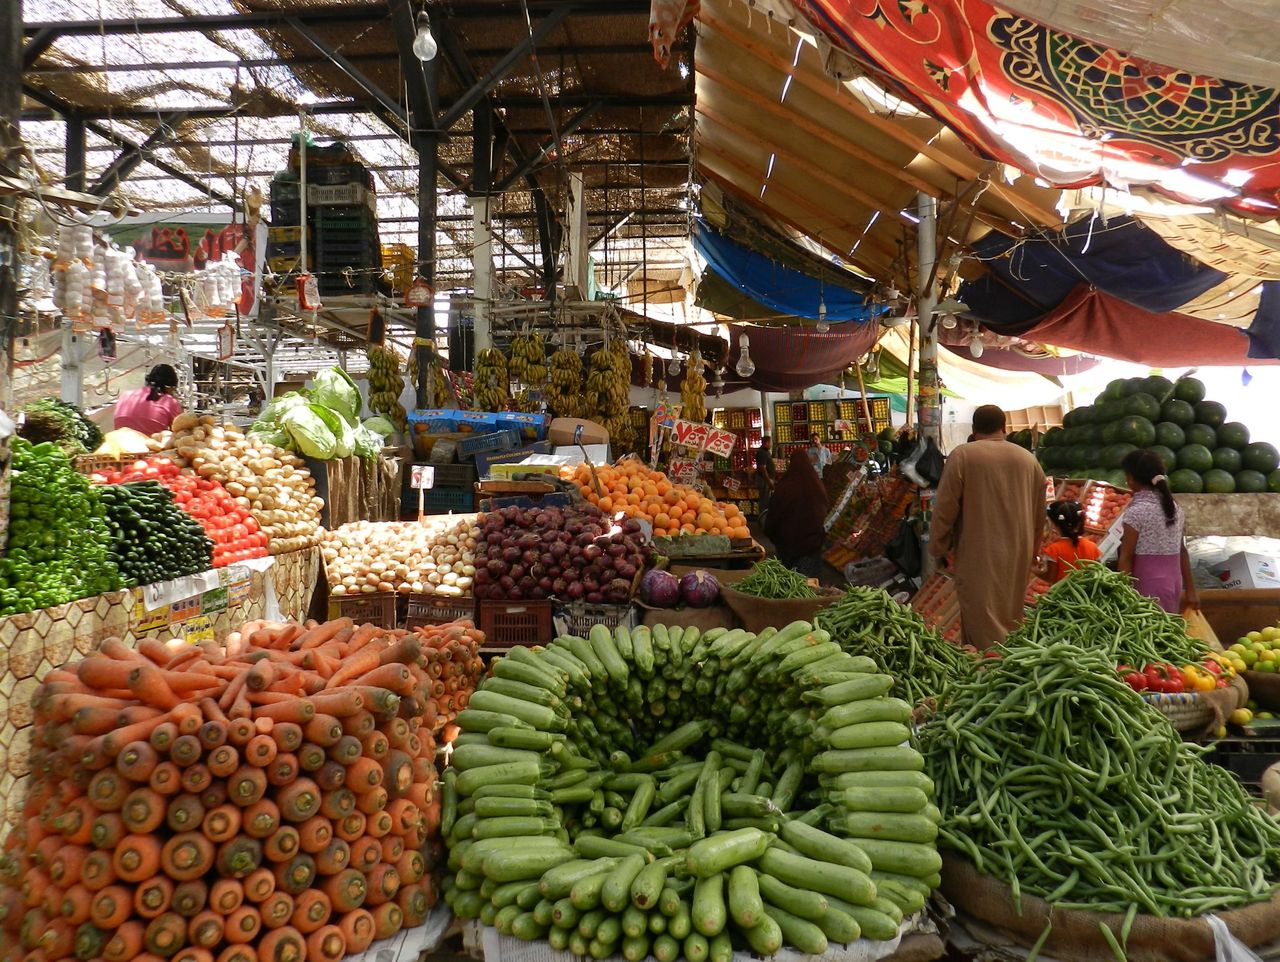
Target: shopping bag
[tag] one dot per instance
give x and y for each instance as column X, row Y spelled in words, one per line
column 1227, row 948
column 1198, row 627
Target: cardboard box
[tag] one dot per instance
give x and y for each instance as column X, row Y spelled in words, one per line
column 566, row 431
column 435, row 420
column 532, row 427
column 534, row 464
column 479, row 422
column 485, row 462
column 1252, row 571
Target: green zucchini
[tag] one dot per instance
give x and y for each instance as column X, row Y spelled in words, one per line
column 722, row 851
column 519, row 861
column 803, row 902
column 907, row 801
column 825, row 877
column 841, row 761
column 745, row 905
column 886, row 826
column 823, row 846
column 616, row 892
column 803, row 934
column 709, row 911
column 766, row 938
column 904, row 858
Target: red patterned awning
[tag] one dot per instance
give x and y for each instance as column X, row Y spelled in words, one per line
column 1067, row 110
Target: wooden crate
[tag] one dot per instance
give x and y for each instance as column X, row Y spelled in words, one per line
column 438, row 610
column 378, row 608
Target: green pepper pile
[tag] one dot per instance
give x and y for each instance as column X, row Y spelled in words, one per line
column 152, row 538
column 49, row 419
column 773, row 580
column 1096, row 607
column 58, row 536
column 867, row 621
column 1055, row 777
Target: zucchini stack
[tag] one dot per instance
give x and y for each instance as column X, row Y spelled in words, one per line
column 680, row 794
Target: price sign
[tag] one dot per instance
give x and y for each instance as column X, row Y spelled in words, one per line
column 422, row 476
column 198, row 629
column 419, row 294
column 732, row 484
column 684, row 470
column 703, row 437
column 845, row 426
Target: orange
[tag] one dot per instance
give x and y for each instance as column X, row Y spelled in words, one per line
column 661, row 520
column 606, row 504
column 688, row 529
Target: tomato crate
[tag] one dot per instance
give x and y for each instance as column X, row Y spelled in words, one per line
column 378, row 608
column 507, row 624
column 438, row 610
column 485, row 443
column 578, row 619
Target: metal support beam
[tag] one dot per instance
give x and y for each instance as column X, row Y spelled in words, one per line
column 420, row 78
column 75, row 154
column 546, row 243
column 930, row 398
column 604, row 234
column 37, row 43
column 129, row 159
column 390, row 105
column 482, row 269
column 503, row 67
column 571, row 125
column 482, row 151
column 10, row 157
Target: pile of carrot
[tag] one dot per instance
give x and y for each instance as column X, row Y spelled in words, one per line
column 272, row 799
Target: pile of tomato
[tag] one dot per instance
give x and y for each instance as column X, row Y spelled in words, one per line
column 234, row 532
column 1170, row 679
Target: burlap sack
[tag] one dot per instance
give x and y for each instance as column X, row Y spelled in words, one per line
column 1076, row 936
column 756, row 614
column 704, row 619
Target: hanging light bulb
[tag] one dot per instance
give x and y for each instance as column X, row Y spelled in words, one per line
column 745, row 366
column 424, row 44
column 949, row 321
column 674, row 367
column 975, row 346
column 823, row 326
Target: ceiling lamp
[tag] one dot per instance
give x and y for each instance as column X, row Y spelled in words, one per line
column 424, row 44
column 823, row 326
column 949, row 305
column 949, row 321
column 745, row 366
column 975, row 346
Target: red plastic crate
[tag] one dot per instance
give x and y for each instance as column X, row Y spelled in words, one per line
column 373, row 609
column 438, row 610
column 509, row 623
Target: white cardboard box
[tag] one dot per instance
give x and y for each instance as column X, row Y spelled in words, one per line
column 1247, row 570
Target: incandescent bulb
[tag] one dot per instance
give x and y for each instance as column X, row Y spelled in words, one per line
column 674, row 367
column 823, row 326
column 975, row 346
column 424, row 44
column 949, row 321
column 745, row 366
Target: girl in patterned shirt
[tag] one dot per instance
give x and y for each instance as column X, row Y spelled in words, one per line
column 1152, row 548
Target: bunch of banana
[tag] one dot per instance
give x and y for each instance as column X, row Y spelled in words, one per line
column 385, row 385
column 693, row 390
column 527, row 365
column 564, row 384
column 492, row 391
column 438, row 393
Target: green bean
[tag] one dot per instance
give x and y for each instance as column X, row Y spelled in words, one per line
column 772, row 579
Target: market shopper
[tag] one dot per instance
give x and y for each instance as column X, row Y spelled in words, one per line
column 990, row 512
column 1063, row 556
column 797, row 512
column 819, row 454
column 151, row 408
column 766, row 473
column 1153, row 548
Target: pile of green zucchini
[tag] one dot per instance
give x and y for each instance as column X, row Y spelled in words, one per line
column 678, row 794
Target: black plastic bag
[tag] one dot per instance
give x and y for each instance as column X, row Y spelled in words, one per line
column 929, row 467
column 904, row 550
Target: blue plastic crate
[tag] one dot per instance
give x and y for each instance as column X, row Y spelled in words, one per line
column 439, row 501
column 487, row 443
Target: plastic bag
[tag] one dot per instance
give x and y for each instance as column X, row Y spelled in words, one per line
column 904, row 550
column 909, row 461
column 1226, row 947
column 930, row 464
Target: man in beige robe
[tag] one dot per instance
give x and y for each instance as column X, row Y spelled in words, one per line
column 990, row 509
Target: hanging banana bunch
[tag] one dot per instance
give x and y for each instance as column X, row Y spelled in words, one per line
column 438, row 391
column 693, row 390
column 493, row 384
column 564, row 384
column 528, row 366
column 385, row 385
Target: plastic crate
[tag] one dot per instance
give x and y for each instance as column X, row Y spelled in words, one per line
column 817, row 411
column 579, row 619
column 507, row 624
column 455, row 475
column 1246, row 759
column 284, row 235
column 343, row 195
column 373, row 609
column 438, row 610
column 782, row 413
column 88, row 464
column 334, row 174
column 402, row 262
column 438, row 500
column 506, row 440
column 800, row 411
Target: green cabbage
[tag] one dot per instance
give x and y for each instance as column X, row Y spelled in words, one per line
column 343, row 434
column 310, row 431
column 272, row 432
column 380, row 425
column 368, row 442
column 334, row 389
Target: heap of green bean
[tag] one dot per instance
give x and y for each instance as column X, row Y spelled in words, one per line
column 867, row 621
column 1054, row 777
column 1095, row 607
column 773, row 580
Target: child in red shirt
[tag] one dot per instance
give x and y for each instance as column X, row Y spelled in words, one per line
column 1066, row 554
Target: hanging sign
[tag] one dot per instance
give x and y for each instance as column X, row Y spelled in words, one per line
column 308, row 293
column 419, row 294
column 732, row 484
column 422, row 476
column 703, row 437
column 226, row 341
column 683, row 470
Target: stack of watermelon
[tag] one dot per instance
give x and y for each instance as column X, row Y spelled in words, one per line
column 1202, row 451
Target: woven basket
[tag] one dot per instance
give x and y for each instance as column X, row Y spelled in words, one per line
column 1186, row 711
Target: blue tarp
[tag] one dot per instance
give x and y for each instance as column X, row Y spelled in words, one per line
column 1121, row 258
column 1264, row 332
column 780, row 288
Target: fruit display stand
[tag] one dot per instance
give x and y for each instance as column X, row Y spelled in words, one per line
column 733, row 478
column 210, row 605
column 869, row 520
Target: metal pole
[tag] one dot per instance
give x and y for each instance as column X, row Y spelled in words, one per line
column 482, row 267
column 72, row 380
column 75, row 155
column 926, row 300
column 766, row 416
column 10, row 144
column 424, row 327
column 302, row 188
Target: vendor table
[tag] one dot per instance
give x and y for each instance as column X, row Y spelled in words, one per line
column 211, row 605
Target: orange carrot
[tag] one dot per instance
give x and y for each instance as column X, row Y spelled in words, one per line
column 282, row 845
column 353, row 667
column 149, row 686
column 196, row 779
column 326, row 944
column 155, row 650
column 104, row 673
column 143, row 811
column 382, row 884
column 340, row 703
column 260, row 751
column 297, row 874
column 310, row 911
column 222, row 761
column 192, row 953
column 392, row 848
column 107, row 830
column 277, row 910
column 66, row 865
column 395, row 678
column 261, row 819
column 205, row 929
column 411, row 867
column 116, row 649
column 137, row 760
column 187, row 717
column 311, row 757
column 317, row 636
column 125, row 943
column 314, row 835
column 113, row 743
column 283, row 769
column 284, row 944
column 259, row 884
column 335, row 857
column 238, row 953
column 331, row 775
column 238, row 857
column 185, row 813
column 166, row 778
column 415, row 902
column 375, row 745
column 212, row 712
column 190, row 898
column 287, row 736
column 185, row 750
column 95, row 721
column 338, row 804
column 221, row 823
column 226, row 896
column 373, row 802
column 162, row 736
column 243, row 924
column 387, row 920
column 153, row 897
column 186, row 683
column 260, row 675
column 212, row 734
column 364, row 775
column 299, row 801
column 166, row 934
column 74, row 905
column 246, row 785
column 111, row 906
column 404, row 815
column 137, row 857
column 233, row 691
column 366, row 852
column 186, row 856
column 107, row 790
column 292, row 709
column 137, row 713
column 351, row 827
column 358, row 929
column 96, row 873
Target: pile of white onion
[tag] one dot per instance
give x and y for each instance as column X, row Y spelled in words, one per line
column 272, row 483
column 436, row 556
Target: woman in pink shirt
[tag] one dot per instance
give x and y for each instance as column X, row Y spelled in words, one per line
column 150, row 409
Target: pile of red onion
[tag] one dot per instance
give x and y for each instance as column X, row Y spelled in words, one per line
column 570, row 554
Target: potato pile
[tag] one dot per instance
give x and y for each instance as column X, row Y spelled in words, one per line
column 435, row 556
column 272, row 483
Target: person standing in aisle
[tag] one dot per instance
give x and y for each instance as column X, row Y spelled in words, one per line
column 819, row 454
column 990, row 511
column 150, row 409
column 1063, row 556
column 1152, row 548
column 797, row 515
column 766, row 473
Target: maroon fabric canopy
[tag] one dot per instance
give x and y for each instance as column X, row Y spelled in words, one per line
column 793, row 358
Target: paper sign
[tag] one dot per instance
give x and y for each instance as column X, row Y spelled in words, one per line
column 184, row 610
column 214, row 601
column 197, row 629
column 703, row 437
column 845, row 426
column 148, row 620
column 238, row 592
column 732, row 484
column 422, row 476
column 683, row 470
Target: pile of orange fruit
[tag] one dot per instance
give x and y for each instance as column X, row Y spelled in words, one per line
column 640, row 492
